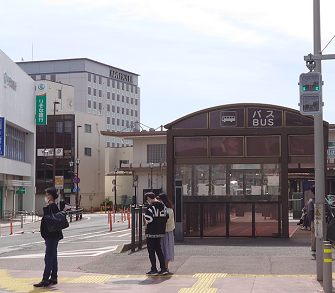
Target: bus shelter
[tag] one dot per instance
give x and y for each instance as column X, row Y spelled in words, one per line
column 229, row 168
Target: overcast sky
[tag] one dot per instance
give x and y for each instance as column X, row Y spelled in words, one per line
column 191, row 55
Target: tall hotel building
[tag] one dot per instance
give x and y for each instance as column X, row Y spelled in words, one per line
column 99, row 89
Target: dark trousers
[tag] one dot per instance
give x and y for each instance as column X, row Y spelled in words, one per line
column 50, row 259
column 154, row 247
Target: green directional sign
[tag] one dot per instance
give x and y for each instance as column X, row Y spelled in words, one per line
column 21, row 190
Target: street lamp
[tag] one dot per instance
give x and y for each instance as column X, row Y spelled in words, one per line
column 45, row 154
column 54, row 155
column 151, row 165
column 77, row 163
column 115, row 205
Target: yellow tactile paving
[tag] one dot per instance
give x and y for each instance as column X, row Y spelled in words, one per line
column 18, row 284
column 203, row 284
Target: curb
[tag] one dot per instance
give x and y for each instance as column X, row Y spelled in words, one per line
column 127, row 246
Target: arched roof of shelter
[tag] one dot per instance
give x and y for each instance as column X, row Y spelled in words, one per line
column 198, row 119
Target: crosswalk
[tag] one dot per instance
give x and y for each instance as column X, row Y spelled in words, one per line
column 73, row 253
column 93, row 241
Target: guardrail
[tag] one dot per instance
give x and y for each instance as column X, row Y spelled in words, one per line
column 77, row 213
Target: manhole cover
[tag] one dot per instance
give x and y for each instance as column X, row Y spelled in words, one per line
column 129, row 282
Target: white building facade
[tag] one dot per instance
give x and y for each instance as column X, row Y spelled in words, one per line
column 140, row 168
column 99, row 90
column 17, row 138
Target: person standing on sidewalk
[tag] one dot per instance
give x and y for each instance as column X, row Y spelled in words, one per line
column 51, row 240
column 167, row 242
column 156, row 217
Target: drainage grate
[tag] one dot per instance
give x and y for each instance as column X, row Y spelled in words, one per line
column 129, row 282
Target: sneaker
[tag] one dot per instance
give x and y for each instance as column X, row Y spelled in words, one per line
column 152, row 273
column 53, row 281
column 43, row 283
column 164, row 272
column 303, row 228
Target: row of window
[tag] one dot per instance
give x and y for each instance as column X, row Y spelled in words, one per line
column 15, row 144
column 115, row 83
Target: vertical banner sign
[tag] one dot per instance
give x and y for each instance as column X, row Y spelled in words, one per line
column 2, row 136
column 41, row 103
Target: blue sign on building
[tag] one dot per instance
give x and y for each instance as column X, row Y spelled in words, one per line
column 2, row 136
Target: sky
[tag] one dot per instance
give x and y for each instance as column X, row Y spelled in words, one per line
column 190, row 55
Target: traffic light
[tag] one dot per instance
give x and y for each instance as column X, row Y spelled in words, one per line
column 310, row 85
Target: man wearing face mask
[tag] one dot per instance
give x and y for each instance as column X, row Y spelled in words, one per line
column 51, row 240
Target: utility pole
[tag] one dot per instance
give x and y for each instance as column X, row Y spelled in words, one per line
column 319, row 148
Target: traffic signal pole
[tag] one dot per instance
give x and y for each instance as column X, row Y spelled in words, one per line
column 313, row 62
column 319, row 148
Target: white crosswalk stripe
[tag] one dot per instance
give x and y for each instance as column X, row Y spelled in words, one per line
column 72, row 253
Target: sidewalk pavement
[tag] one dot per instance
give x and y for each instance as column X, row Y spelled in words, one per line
column 209, row 265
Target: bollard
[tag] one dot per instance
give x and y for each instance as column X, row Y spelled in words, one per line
column 114, row 217
column 108, row 217
column 21, row 221
column 327, row 267
column 128, row 216
column 32, row 216
column 11, row 224
column 110, row 222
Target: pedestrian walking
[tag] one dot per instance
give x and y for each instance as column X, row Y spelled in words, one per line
column 156, row 217
column 167, row 242
column 51, row 240
column 310, row 215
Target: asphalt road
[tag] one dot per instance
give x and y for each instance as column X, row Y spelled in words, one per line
column 84, row 241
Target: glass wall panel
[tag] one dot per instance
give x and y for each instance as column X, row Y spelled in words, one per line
column 255, row 181
column 227, row 146
column 190, row 147
column 240, row 223
column 191, row 220
column 201, row 179
column 263, row 146
column 301, row 145
column 260, row 182
column 218, row 179
column 184, row 172
column 214, row 219
column 266, row 219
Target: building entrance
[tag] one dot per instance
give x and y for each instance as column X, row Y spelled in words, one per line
column 232, row 164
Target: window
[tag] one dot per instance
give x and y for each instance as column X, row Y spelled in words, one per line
column 89, row 84
column 88, row 128
column 88, row 152
column 59, row 126
column 15, row 144
column 156, row 153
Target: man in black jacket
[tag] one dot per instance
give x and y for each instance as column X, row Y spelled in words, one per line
column 156, row 217
column 51, row 240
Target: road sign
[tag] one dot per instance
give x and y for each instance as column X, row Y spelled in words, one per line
column 76, row 180
column 310, row 88
column 59, row 180
column 21, row 190
column 75, row 189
